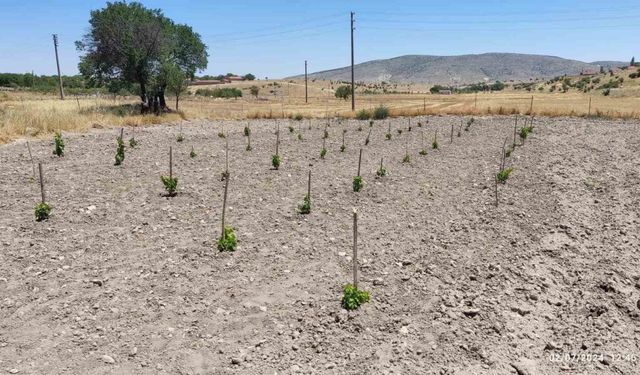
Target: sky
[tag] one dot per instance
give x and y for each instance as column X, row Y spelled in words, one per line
column 273, row 38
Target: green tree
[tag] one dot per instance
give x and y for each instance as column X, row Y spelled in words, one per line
column 130, row 44
column 249, row 77
column 343, row 92
column 176, row 81
column 633, row 61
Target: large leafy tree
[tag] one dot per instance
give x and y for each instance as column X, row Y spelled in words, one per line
column 131, row 46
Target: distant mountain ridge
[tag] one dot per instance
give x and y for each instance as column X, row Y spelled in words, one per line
column 462, row 69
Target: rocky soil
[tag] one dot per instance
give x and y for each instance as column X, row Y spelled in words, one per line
column 123, row 280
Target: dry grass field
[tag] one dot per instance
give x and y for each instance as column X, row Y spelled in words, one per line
column 27, row 114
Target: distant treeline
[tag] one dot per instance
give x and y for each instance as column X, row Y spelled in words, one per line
column 32, row 82
column 475, row 87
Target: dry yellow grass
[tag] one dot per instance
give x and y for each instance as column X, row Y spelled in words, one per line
column 23, row 115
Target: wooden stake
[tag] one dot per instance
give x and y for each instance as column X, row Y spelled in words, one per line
column 504, row 154
column 381, row 160
column 33, row 165
column 309, row 186
column 531, row 105
column 451, row 133
column 226, row 156
column 224, row 203
column 589, row 113
column 515, row 126
column 41, row 182
column 342, row 139
column 170, row 162
column 121, row 133
column 359, row 162
column 355, row 248
column 277, row 138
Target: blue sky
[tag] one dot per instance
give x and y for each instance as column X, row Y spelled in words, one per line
column 273, row 38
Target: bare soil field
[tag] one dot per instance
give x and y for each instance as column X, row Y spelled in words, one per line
column 123, row 280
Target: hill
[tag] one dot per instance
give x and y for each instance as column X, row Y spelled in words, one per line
column 460, row 69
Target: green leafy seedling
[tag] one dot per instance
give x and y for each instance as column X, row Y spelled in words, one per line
column 170, row 184
column 305, row 207
column 228, row 241
column 388, row 136
column 42, row 211
column 503, row 175
column 291, row 129
column 247, row 131
column 59, row 144
column 352, row 297
column 434, row 145
column 358, row 183
column 399, row 131
column 323, row 153
column 406, row 159
column 275, row 161
column 180, row 138
column 192, row 154
column 132, row 142
column 221, row 135
column 342, row 148
column 300, row 137
column 119, row 151
column 423, row 152
column 508, row 152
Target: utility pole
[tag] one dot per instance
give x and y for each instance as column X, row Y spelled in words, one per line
column 306, row 95
column 353, row 86
column 55, row 46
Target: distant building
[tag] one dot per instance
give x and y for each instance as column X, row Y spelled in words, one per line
column 234, row 78
column 589, row 72
column 444, row 92
column 203, row 82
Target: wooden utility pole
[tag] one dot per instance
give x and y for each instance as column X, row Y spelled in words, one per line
column 353, row 85
column 55, row 46
column 170, row 162
column 589, row 113
column 224, row 204
column 306, row 94
column 531, row 105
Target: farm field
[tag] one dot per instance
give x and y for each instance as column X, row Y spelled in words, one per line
column 122, row 279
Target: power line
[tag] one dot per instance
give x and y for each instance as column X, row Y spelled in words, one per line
column 290, row 31
column 604, row 27
column 460, row 12
column 538, row 21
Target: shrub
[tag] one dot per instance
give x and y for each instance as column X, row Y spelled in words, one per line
column 323, row 152
column 435, row 144
column 423, row 152
column 352, row 297
column 298, row 117
column 399, row 131
column 381, row 112
column 300, row 137
column 363, row 114
column 42, row 211
column 59, row 144
column 291, row 129
column 275, row 161
column 226, row 92
column 508, row 152
column 180, row 138
column 305, row 207
column 228, row 240
column 342, row 148
column 247, row 131
column 343, row 92
column 221, row 135
column 119, row 151
column 371, row 124
column 357, row 183
column 326, row 134
column 503, row 175
column 388, row 136
column 170, row 184
column 406, row 159
column 192, row 154
column 132, row 142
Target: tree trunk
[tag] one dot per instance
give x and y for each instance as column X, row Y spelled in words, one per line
column 177, row 99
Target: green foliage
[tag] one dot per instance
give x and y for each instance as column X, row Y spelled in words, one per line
column 357, row 183
column 170, row 184
column 343, row 92
column 132, row 142
column 381, row 172
column 227, row 241
column 180, row 138
column 221, row 135
column 326, row 134
column 363, row 114
column 298, row 117
column 399, row 131
column 247, row 131
column 503, row 175
column 291, row 129
column 192, row 154
column 175, row 80
column 300, row 137
column 434, row 145
column 275, row 161
column 323, row 153
column 42, row 211
column 524, row 131
column 352, row 297
column 225, row 92
column 388, row 136
column 419, row 124
column 371, row 124
column 248, row 148
column 119, row 151
column 423, row 152
column 380, row 112
column 507, row 152
column 437, row 88
column 305, row 207
column 359, row 128
column 342, row 148
column 249, row 77
column 59, row 144
column 406, row 159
